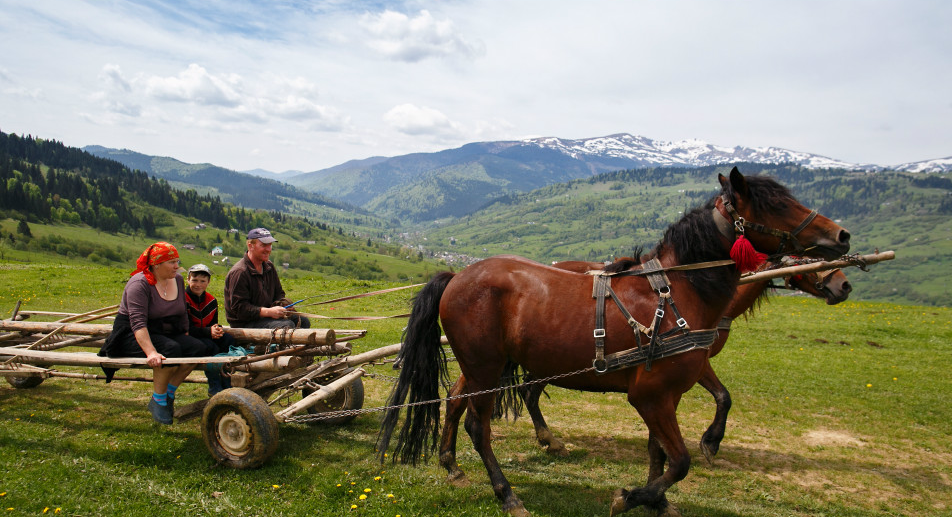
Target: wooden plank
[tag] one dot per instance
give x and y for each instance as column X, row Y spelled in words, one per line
column 92, row 360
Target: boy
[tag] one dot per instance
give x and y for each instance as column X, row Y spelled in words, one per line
column 203, row 320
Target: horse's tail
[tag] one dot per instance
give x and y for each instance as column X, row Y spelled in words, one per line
column 509, row 401
column 423, row 368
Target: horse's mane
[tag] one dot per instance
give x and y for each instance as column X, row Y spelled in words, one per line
column 626, row 263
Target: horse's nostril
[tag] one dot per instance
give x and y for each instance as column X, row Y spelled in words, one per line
column 847, row 287
column 844, row 237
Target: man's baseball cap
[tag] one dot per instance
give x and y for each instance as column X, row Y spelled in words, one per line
column 200, row 268
column 262, row 234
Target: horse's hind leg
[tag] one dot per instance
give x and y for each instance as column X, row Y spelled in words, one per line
column 454, row 410
column 531, row 395
column 477, row 424
column 711, row 439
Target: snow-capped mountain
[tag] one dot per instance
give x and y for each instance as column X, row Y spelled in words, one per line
column 644, row 151
column 937, row 165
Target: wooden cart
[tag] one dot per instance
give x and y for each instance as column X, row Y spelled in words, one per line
column 239, row 426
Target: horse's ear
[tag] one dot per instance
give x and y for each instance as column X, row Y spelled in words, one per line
column 722, row 179
column 739, row 183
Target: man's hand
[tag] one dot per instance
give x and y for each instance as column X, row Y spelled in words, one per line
column 277, row 312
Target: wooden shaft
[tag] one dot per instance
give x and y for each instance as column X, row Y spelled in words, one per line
column 324, row 392
column 816, row 266
column 372, row 355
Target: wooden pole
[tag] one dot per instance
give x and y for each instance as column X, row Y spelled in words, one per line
column 817, row 266
column 311, row 337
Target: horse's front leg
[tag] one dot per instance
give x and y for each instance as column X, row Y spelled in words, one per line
column 660, row 417
column 477, row 424
column 531, row 394
column 711, row 439
column 454, row 410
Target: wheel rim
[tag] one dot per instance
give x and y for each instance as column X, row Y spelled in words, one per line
column 234, row 433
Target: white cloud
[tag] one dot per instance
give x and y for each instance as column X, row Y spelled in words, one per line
column 398, row 36
column 421, row 120
column 196, row 85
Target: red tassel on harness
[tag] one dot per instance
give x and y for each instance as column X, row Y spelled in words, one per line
column 745, row 256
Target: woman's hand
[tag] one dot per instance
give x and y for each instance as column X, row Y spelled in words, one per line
column 217, row 331
column 155, row 359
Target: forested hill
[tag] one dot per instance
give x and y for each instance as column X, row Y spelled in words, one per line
column 236, row 187
column 77, row 187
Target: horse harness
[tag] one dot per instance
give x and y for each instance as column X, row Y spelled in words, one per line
column 678, row 340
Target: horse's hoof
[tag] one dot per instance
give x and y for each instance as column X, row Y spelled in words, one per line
column 670, row 511
column 708, row 453
column 519, row 511
column 458, row 479
column 619, row 505
column 557, row 449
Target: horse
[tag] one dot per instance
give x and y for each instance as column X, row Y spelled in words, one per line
column 831, row 285
column 508, row 308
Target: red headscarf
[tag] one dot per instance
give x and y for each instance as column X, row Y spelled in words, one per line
column 155, row 254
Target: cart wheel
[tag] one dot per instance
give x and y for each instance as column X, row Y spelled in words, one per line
column 239, row 429
column 350, row 397
column 25, row 382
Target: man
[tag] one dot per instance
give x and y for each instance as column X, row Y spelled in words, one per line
column 254, row 297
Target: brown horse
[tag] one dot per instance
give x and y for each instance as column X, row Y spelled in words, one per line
column 832, row 286
column 511, row 309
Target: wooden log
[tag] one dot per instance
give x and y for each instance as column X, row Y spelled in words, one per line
column 816, row 266
column 311, row 337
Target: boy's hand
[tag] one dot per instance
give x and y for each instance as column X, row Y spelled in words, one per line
column 217, row 331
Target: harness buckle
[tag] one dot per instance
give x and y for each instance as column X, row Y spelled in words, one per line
column 682, row 323
column 659, row 314
column 599, row 333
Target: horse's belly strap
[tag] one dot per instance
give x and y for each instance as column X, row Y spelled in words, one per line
column 669, row 346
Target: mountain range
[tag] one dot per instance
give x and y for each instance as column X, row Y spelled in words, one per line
column 422, row 187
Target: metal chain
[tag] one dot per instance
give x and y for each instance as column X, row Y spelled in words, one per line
column 355, row 412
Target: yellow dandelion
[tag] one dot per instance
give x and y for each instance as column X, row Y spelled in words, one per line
column 869, row 385
column 895, row 378
column 338, row 485
column 46, row 509
column 378, row 478
column 58, row 510
column 362, row 497
column 3, row 494
column 275, row 486
column 368, row 490
column 390, row 496
column 353, row 507
column 353, row 482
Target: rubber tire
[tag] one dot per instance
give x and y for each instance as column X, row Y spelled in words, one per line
column 26, row 382
column 239, row 429
column 350, row 397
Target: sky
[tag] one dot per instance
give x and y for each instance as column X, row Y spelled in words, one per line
column 305, row 85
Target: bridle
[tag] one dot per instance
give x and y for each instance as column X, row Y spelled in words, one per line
column 740, row 224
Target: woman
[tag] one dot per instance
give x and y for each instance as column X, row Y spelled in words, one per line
column 153, row 323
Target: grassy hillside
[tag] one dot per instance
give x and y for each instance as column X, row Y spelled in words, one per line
column 331, row 255
column 607, row 216
column 838, row 411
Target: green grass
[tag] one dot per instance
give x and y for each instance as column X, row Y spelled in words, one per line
column 838, row 411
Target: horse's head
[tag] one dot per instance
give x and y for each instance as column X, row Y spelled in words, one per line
column 831, row 285
column 773, row 221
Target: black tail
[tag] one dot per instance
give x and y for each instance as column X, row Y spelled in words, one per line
column 509, row 402
column 423, row 370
